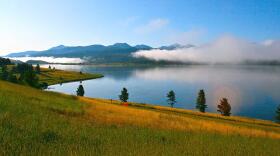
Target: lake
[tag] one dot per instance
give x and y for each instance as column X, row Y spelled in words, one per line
column 252, row 91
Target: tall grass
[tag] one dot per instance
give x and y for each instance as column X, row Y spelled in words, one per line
column 34, row 122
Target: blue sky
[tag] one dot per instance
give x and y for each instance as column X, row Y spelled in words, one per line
column 41, row 24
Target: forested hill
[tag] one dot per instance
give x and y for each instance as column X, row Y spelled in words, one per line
column 119, row 52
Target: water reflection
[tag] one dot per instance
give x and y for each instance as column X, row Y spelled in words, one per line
column 252, row 91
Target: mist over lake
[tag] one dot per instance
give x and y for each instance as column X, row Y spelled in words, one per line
column 50, row 59
column 252, row 91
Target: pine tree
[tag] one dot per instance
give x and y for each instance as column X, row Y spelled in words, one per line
column 31, row 78
column 201, row 101
column 124, row 95
column 50, row 67
column 171, row 98
column 5, row 74
column 80, row 91
column 224, row 107
column 12, row 78
column 38, row 69
column 278, row 114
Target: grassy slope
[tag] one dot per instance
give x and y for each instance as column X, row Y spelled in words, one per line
column 34, row 122
column 60, row 76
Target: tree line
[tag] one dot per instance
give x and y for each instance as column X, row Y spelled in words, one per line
column 21, row 73
column 223, row 107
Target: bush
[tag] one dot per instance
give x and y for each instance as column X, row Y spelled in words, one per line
column 224, row 107
column 80, row 91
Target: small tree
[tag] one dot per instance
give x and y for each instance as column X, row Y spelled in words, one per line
column 124, row 95
column 80, row 91
column 171, row 98
column 50, row 67
column 278, row 114
column 38, row 69
column 224, row 107
column 201, row 101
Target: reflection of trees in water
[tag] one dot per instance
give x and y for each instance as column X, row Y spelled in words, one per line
column 117, row 73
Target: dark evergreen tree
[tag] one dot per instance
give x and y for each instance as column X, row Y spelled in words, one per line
column 171, row 98
column 278, row 114
column 5, row 61
column 24, row 67
column 201, row 101
column 224, row 107
column 38, row 69
column 124, row 95
column 12, row 77
column 31, row 78
column 50, row 67
column 80, row 91
column 4, row 74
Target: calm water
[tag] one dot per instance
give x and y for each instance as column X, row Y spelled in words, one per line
column 252, row 91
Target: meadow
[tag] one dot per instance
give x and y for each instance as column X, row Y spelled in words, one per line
column 56, row 76
column 36, row 122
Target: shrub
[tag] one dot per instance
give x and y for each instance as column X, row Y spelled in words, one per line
column 80, row 91
column 224, row 107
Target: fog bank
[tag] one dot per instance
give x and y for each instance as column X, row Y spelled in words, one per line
column 50, row 59
column 226, row 49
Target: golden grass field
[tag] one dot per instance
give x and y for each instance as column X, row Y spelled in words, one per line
column 177, row 119
column 37, row 122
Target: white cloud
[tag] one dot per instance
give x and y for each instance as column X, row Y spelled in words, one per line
column 226, row 49
column 152, row 26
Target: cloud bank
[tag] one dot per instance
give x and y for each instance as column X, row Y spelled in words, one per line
column 51, row 59
column 226, row 49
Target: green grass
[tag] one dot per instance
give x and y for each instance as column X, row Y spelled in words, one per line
column 56, row 76
column 35, row 122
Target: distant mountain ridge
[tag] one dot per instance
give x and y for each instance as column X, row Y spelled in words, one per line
column 118, row 52
column 62, row 49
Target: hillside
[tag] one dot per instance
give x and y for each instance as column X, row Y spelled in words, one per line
column 35, row 122
column 116, row 53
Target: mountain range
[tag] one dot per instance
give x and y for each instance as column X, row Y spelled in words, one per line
column 118, row 52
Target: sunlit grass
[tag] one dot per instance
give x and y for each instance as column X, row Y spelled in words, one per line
column 55, row 76
column 35, row 122
column 172, row 118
